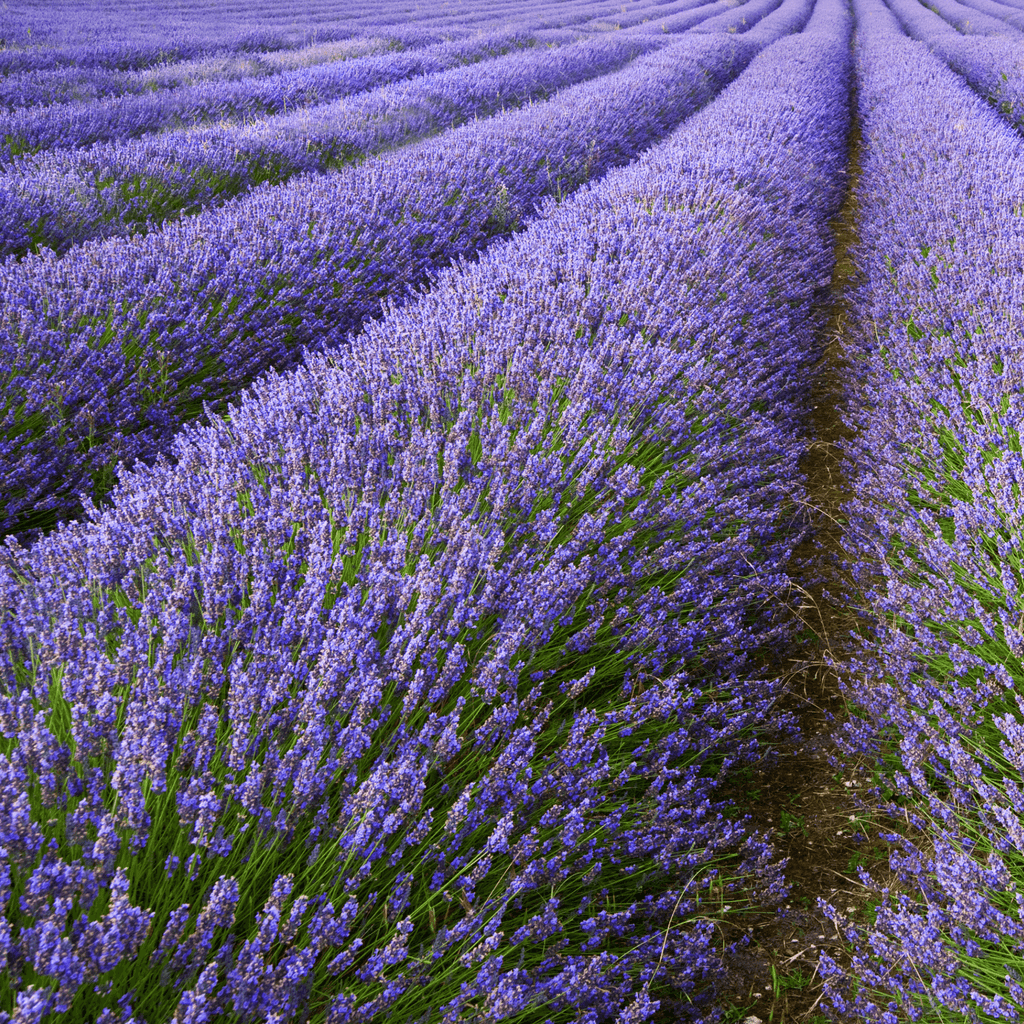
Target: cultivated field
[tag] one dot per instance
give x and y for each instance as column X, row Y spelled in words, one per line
column 511, row 511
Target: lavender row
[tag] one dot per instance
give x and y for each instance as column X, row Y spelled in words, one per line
column 969, row 20
column 1012, row 15
column 682, row 22
column 935, row 537
column 61, row 199
column 152, row 32
column 105, row 351
column 134, row 56
column 624, row 18
column 742, row 19
column 992, row 65
column 76, row 84
column 790, row 16
column 403, row 649
column 70, row 126
column 148, row 34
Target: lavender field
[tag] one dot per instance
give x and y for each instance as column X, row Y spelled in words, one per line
column 511, row 511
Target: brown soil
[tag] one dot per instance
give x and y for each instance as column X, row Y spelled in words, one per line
column 807, row 796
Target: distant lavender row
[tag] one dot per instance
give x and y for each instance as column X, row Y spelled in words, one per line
column 61, row 199
column 682, row 22
column 74, row 125
column 969, row 20
column 145, row 34
column 451, row 625
column 107, row 350
column 1013, row 16
column 740, row 20
column 936, row 534
column 148, row 32
column 992, row 65
column 790, row 16
column 77, row 84
column 636, row 14
column 132, row 57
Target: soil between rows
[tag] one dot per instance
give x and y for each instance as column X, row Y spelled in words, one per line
column 806, row 793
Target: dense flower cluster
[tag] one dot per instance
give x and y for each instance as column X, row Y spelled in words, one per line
column 406, row 686
column 937, row 523
column 104, row 353
column 129, row 50
column 150, row 34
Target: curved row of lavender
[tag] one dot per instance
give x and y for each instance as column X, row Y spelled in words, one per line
column 61, row 199
column 637, row 14
column 407, row 687
column 74, row 125
column 742, row 19
column 969, row 20
column 936, row 537
column 683, row 22
column 991, row 65
column 78, row 84
column 105, row 352
column 1012, row 15
column 132, row 55
column 789, row 17
column 137, row 37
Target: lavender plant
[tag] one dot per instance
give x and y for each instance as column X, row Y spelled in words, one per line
column 407, row 686
column 937, row 528
column 107, row 351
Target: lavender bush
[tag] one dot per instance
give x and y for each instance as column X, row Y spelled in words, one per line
column 937, row 467
column 107, row 351
column 406, row 688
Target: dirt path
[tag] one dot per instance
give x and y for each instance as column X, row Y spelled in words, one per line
column 807, row 796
